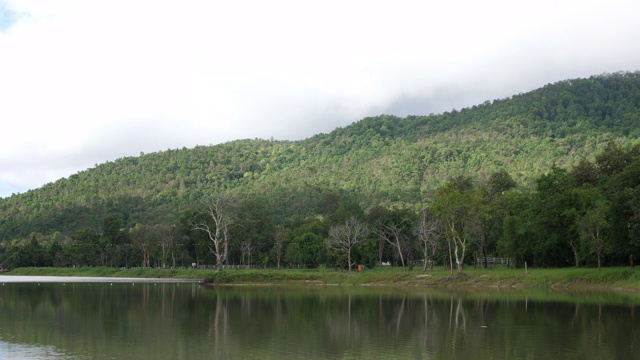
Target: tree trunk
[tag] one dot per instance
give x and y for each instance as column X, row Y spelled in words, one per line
column 400, row 251
column 226, row 245
column 458, row 259
column 218, row 263
column 484, row 254
column 426, row 258
column 450, row 258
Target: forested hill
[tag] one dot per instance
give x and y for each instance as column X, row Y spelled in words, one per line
column 383, row 160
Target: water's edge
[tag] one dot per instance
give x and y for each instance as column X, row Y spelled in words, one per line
column 88, row 279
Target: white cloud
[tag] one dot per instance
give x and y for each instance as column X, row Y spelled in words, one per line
column 88, row 81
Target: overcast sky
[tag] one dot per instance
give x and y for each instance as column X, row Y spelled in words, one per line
column 88, row 81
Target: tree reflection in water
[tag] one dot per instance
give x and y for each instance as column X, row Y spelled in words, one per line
column 186, row 321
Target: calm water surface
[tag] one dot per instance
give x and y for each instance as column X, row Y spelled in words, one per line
column 159, row 320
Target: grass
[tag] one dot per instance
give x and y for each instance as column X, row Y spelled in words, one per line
column 111, row 272
column 579, row 278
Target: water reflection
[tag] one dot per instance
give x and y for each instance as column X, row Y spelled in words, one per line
column 186, row 321
column 20, row 351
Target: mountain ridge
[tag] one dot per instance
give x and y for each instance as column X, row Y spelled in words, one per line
column 381, row 160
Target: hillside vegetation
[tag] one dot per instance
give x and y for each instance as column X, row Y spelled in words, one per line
column 383, row 162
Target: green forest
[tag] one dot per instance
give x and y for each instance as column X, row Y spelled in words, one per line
column 550, row 178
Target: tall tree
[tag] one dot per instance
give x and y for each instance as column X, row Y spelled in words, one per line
column 457, row 204
column 280, row 243
column 633, row 239
column 516, row 233
column 376, row 216
column 428, row 231
column 218, row 216
column 253, row 231
column 306, row 250
column 145, row 239
column 85, row 247
column 555, row 217
column 492, row 214
column 112, row 241
column 167, row 235
column 593, row 226
column 344, row 237
column 395, row 227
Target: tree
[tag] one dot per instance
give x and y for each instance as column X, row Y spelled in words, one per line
column 55, row 251
column 113, row 237
column 624, row 225
column 253, row 230
column 633, row 240
column 428, row 232
column 85, row 247
column 554, row 215
column 457, row 204
column 593, row 225
column 499, row 185
column 344, row 237
column 145, row 238
column 167, row 236
column 279, row 246
column 516, row 232
column 194, row 242
column 217, row 219
column 584, row 173
column 394, row 227
column 31, row 254
column 500, row 181
column 613, row 159
column 513, row 231
column 376, row 215
column 306, row 250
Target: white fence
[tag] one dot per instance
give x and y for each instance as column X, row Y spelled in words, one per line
column 494, row 261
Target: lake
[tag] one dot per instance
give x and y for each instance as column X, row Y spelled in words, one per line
column 150, row 319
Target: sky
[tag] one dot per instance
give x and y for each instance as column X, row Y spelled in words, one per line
column 89, row 81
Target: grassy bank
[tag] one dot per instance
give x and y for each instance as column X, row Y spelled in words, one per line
column 607, row 278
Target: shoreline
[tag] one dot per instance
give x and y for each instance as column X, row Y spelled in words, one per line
column 614, row 279
column 24, row 279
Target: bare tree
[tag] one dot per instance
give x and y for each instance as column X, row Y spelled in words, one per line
column 428, row 232
column 215, row 222
column 167, row 236
column 344, row 237
column 393, row 234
